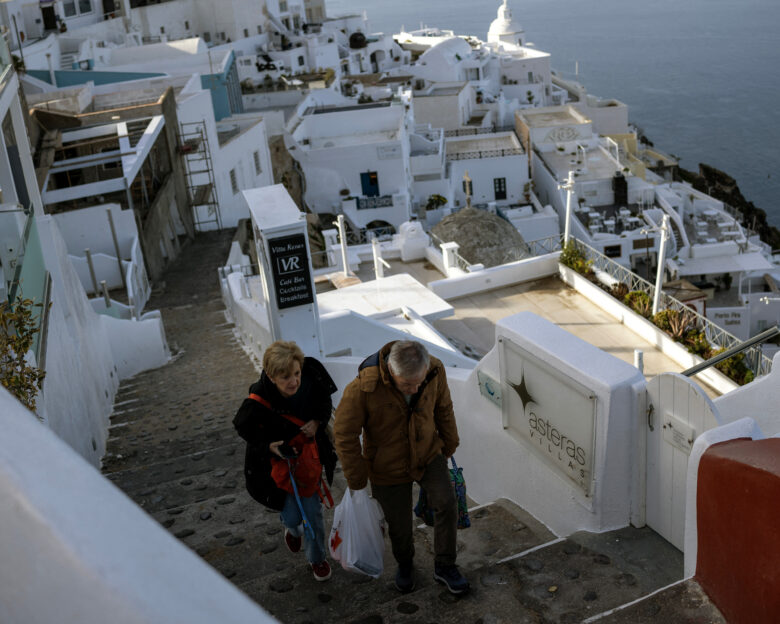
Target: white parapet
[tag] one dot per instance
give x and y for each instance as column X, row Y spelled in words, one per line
column 73, row 548
column 551, row 422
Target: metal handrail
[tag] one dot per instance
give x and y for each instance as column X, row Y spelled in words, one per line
column 765, row 335
column 759, row 363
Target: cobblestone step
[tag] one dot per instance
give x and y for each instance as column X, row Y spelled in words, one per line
column 174, row 441
column 130, row 476
column 682, row 602
column 189, row 490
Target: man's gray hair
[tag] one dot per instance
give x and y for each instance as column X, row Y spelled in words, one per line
column 408, row 359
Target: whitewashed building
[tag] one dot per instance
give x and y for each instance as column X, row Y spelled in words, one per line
column 355, row 158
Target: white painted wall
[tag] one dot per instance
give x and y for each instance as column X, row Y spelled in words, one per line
column 87, row 354
column 482, row 171
column 500, row 465
column 759, row 400
column 74, row 548
column 249, row 315
column 238, row 155
column 81, row 378
column 496, row 277
column 137, row 346
column 89, row 228
column 442, row 111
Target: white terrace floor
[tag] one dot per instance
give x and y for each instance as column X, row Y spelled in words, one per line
column 476, row 315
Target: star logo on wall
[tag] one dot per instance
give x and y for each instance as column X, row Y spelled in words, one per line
column 522, row 391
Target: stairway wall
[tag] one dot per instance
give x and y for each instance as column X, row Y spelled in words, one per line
column 499, row 462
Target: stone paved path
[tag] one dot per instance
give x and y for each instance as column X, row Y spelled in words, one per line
column 173, row 450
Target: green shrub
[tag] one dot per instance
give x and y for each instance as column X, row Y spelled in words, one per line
column 735, row 368
column 697, row 343
column 17, row 333
column 572, row 257
column 639, row 302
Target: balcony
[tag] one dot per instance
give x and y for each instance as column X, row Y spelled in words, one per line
column 366, row 203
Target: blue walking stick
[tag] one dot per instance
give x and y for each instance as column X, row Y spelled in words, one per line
column 307, row 528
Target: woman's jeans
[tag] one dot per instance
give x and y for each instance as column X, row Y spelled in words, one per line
column 291, row 519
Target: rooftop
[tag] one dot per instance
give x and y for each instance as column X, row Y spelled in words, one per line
column 482, row 142
column 549, row 117
column 596, row 165
column 472, row 326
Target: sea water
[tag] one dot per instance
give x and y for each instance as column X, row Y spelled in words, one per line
column 701, row 77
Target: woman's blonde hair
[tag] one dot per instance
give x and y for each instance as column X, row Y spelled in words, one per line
column 279, row 357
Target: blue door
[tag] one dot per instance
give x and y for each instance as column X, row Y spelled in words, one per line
column 370, row 182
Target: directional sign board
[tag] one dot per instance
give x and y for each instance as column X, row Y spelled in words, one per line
column 290, row 266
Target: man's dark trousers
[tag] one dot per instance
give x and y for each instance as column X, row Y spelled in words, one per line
column 396, row 502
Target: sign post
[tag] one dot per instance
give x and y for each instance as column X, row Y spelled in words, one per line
column 285, row 267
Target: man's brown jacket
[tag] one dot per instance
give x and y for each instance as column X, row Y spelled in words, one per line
column 399, row 440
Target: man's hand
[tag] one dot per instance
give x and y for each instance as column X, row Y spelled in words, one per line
column 310, row 428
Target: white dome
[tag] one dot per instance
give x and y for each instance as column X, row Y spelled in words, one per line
column 505, row 28
column 449, row 52
column 441, row 62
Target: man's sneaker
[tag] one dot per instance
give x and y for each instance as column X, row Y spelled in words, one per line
column 451, row 577
column 293, row 542
column 404, row 578
column 321, row 570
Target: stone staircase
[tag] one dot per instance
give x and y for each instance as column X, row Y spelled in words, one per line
column 172, row 449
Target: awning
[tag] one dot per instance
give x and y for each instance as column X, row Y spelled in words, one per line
column 737, row 263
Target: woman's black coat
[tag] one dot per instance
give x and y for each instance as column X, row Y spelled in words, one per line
column 260, row 426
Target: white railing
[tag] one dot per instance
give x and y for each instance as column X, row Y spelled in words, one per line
column 138, row 287
column 716, row 335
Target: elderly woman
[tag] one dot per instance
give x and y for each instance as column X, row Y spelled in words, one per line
column 289, row 406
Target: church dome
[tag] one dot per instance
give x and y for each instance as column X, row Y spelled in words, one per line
column 505, row 28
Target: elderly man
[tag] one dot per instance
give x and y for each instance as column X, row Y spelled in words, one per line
column 401, row 404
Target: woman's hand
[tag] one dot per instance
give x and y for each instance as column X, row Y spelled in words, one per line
column 274, row 448
column 310, row 428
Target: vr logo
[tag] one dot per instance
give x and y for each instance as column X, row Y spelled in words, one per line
column 290, row 264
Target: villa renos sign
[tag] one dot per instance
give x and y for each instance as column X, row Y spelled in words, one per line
column 553, row 414
column 290, row 266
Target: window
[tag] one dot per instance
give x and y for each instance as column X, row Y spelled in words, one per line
column 259, row 30
column 222, row 36
column 286, row 22
column 282, row 6
column 246, row 32
column 72, row 8
column 296, row 22
column 233, row 181
column 258, row 168
column 162, row 30
column 612, row 251
column 186, row 25
column 207, row 37
column 499, row 188
column 644, row 243
column 300, row 61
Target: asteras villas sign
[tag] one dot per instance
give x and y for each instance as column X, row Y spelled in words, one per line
column 553, row 414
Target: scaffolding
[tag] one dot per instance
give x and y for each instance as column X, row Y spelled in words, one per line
column 201, row 185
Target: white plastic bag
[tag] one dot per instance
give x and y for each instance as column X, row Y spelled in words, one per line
column 357, row 536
